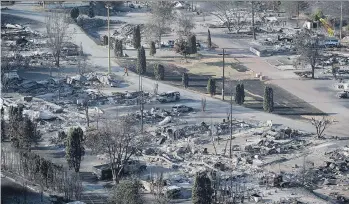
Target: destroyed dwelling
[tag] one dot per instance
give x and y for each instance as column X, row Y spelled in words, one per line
column 174, row 102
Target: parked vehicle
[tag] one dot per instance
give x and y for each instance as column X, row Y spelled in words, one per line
column 181, row 108
column 103, row 172
column 169, row 97
column 343, row 94
column 330, row 42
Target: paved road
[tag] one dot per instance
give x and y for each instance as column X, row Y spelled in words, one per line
column 215, row 108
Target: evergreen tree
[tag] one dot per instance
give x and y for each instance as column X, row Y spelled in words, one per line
column 268, row 103
column 242, row 90
column 127, row 192
column 152, row 51
column 74, row 148
column 118, row 49
column 15, row 120
column 141, row 61
column 136, row 37
column 105, row 40
column 211, row 87
column 159, row 72
column 26, row 134
column 192, row 44
column 91, row 12
column 185, row 80
column 3, row 125
column 202, row 190
column 237, row 94
column 209, row 42
column 240, row 94
column 74, row 13
column 182, row 48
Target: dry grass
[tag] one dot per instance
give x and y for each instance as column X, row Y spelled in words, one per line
column 206, row 65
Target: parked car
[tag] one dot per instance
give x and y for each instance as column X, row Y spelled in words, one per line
column 103, row 172
column 343, row 94
column 169, row 97
column 181, row 108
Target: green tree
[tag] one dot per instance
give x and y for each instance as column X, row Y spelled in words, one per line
column 74, row 13
column 91, row 12
column 181, row 47
column 192, row 44
column 202, row 190
column 152, row 51
column 240, row 94
column 127, row 192
column 118, row 49
column 211, row 87
column 75, row 150
column 3, row 125
column 25, row 135
column 185, row 80
column 209, row 42
column 44, row 167
column 141, row 61
column 105, row 40
column 136, row 37
column 159, row 72
column 268, row 103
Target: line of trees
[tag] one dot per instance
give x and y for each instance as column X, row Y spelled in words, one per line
column 22, row 131
column 42, row 172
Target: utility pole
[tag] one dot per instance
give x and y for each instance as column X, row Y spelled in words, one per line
column 341, row 22
column 297, row 14
column 253, row 29
column 231, row 122
column 109, row 67
column 223, row 76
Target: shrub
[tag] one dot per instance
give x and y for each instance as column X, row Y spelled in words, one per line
column 159, row 72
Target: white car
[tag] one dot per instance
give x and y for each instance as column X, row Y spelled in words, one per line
column 181, row 108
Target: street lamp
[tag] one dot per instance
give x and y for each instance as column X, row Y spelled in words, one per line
column 109, row 67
